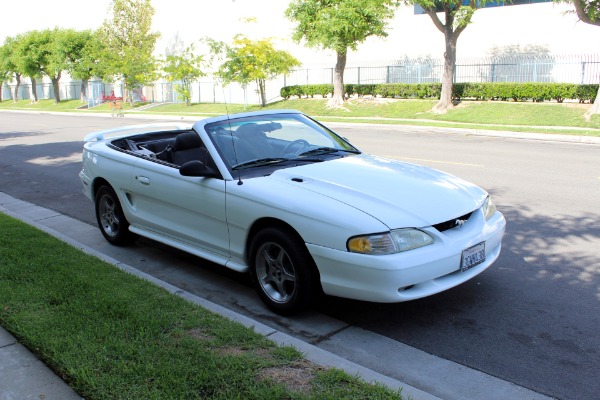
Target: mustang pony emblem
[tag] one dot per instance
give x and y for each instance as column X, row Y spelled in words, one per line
column 459, row 222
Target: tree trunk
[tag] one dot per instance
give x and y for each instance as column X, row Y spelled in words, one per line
column 16, row 94
column 595, row 109
column 445, row 102
column 337, row 100
column 261, row 92
column 55, row 80
column 34, row 89
column 83, row 95
column 1, row 84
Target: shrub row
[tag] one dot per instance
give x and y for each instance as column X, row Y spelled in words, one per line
column 517, row 91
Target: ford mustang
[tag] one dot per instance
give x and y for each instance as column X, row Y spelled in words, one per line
column 304, row 212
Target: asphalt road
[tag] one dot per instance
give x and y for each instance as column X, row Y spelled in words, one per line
column 532, row 319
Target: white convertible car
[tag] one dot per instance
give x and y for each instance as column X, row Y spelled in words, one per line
column 279, row 195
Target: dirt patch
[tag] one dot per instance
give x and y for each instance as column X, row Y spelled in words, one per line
column 199, row 334
column 371, row 100
column 237, row 351
column 296, row 377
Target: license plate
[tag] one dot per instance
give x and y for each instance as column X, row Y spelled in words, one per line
column 473, row 256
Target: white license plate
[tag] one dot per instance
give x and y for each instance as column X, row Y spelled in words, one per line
column 473, row 256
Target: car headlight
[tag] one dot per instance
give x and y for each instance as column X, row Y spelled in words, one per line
column 392, row 242
column 489, row 208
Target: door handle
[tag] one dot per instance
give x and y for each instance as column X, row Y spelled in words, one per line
column 143, row 180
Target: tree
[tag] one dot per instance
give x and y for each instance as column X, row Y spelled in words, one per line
column 10, row 65
column 5, row 73
column 588, row 11
column 57, row 49
column 183, row 67
column 78, row 53
column 29, row 52
column 127, row 44
column 339, row 25
column 247, row 61
column 457, row 16
column 50, row 53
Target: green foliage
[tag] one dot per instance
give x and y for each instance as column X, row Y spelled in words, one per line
column 48, row 52
column 587, row 93
column 339, row 24
column 588, row 11
column 246, row 60
column 9, row 65
column 183, row 68
column 127, row 44
column 4, row 70
column 478, row 91
column 81, row 57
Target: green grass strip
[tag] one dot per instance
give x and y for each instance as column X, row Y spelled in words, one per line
column 112, row 335
column 556, row 118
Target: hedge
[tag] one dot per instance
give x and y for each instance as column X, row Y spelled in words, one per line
column 516, row 91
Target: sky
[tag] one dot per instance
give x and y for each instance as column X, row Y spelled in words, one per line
column 415, row 35
column 191, row 20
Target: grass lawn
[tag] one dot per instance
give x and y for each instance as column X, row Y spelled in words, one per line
column 112, row 335
column 42, row 105
column 566, row 118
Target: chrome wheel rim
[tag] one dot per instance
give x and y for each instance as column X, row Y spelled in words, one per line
column 108, row 216
column 275, row 272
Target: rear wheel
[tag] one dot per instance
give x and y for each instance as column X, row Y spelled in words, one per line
column 110, row 217
column 283, row 272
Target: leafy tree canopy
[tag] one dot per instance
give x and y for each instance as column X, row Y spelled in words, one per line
column 339, row 24
column 127, row 44
column 246, row 60
column 183, row 66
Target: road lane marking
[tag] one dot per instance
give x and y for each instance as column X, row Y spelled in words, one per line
column 438, row 161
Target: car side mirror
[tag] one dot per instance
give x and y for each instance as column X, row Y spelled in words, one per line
column 199, row 169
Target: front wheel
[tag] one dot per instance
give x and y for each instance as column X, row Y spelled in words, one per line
column 110, row 217
column 283, row 272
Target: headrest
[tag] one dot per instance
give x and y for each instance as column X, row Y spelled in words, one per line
column 187, row 140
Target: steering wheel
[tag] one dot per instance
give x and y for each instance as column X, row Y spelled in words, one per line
column 300, row 143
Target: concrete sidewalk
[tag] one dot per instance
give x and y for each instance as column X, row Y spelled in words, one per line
column 23, row 376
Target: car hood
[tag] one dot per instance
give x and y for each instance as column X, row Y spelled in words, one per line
column 398, row 194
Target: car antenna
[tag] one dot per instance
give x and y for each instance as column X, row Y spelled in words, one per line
column 231, row 134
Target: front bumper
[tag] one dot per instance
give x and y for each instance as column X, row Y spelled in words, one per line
column 412, row 274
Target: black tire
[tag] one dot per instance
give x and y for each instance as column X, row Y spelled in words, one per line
column 111, row 220
column 283, row 272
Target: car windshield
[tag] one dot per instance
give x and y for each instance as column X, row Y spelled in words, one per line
column 275, row 140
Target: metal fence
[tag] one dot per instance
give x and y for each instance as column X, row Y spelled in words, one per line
column 583, row 69
column 68, row 91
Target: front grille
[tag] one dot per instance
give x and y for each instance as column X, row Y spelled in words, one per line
column 452, row 223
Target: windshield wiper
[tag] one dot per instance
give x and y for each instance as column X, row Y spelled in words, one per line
column 259, row 162
column 326, row 150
